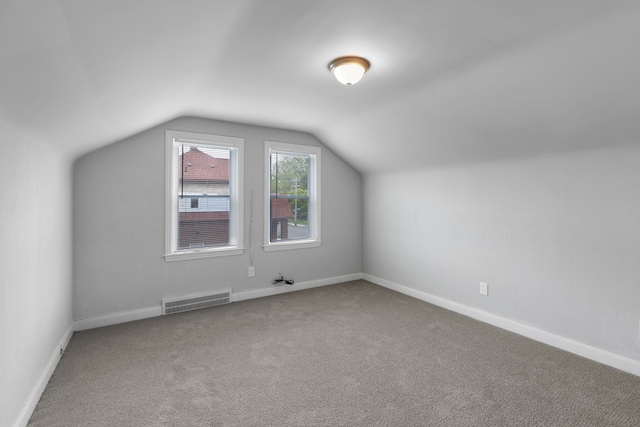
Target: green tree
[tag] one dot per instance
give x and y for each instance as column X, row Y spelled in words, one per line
column 289, row 173
column 290, row 177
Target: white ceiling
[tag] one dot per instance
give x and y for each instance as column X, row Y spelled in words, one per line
column 451, row 80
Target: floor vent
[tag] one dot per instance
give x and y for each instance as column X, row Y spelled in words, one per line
column 194, row 302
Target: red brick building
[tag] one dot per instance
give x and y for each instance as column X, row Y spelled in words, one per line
column 281, row 212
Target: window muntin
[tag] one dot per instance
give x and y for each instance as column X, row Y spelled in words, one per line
column 204, row 194
column 292, row 207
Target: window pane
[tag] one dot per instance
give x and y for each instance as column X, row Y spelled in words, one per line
column 204, row 203
column 289, row 218
column 289, row 208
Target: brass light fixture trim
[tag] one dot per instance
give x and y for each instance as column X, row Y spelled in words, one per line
column 348, row 70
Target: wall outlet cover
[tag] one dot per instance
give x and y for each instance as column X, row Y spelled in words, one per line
column 484, row 288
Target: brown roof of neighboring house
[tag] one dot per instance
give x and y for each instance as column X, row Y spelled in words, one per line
column 199, row 166
column 280, row 208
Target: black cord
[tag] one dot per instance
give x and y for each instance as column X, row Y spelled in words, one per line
column 182, row 173
column 281, row 279
column 277, row 164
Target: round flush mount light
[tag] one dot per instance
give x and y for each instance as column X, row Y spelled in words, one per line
column 348, row 70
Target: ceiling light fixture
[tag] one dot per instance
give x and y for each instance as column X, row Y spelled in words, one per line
column 348, row 70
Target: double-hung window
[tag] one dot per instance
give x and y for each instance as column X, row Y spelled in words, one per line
column 203, row 196
column 292, row 196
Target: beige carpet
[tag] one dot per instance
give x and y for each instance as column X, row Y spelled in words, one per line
column 353, row 354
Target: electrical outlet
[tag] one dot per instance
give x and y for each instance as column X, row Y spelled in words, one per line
column 252, row 271
column 484, row 288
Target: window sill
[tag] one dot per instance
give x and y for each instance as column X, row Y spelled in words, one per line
column 284, row 246
column 205, row 253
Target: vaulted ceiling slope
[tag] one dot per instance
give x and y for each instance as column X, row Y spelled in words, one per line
column 451, row 80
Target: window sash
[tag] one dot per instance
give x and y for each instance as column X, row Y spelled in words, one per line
column 210, row 226
column 287, row 231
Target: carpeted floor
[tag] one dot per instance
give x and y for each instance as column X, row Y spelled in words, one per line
column 353, row 354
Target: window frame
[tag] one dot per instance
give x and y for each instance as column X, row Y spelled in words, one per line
column 315, row 196
column 236, row 195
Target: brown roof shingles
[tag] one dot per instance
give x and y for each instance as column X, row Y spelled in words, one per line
column 199, row 166
column 280, row 208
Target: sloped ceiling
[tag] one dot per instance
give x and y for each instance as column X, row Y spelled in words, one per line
column 451, row 80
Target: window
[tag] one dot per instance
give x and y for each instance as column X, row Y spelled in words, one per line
column 292, row 196
column 203, row 196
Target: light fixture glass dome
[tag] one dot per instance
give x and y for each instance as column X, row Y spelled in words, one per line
column 348, row 70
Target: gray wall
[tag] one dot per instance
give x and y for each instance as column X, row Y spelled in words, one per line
column 557, row 238
column 35, row 265
column 119, row 224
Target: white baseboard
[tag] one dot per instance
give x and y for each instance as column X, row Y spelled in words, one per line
column 145, row 313
column 623, row 363
column 38, row 388
column 115, row 318
column 277, row 290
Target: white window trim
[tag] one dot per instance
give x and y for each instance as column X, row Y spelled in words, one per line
column 314, row 200
column 171, row 194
